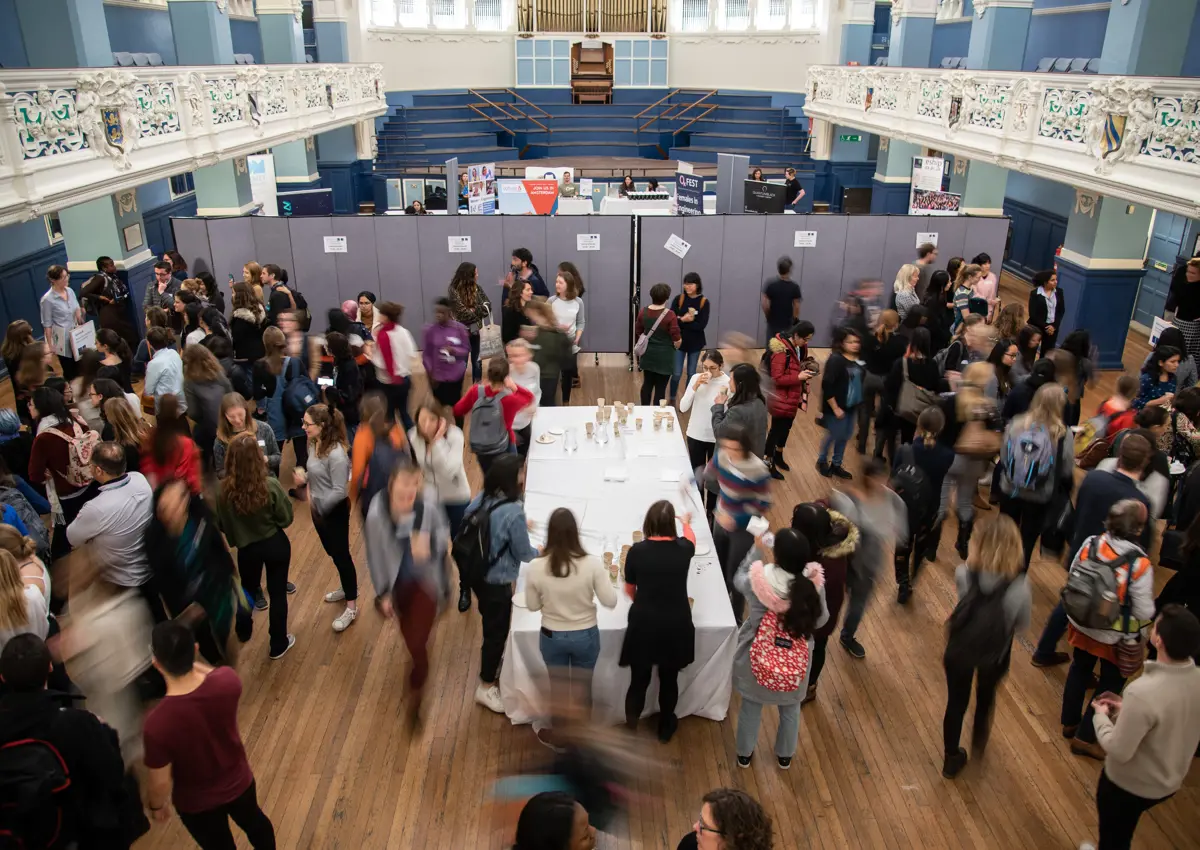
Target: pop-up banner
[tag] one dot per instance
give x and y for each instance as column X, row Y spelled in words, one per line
column 528, row 197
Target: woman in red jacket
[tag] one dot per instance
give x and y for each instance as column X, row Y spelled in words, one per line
column 786, row 353
column 169, row 453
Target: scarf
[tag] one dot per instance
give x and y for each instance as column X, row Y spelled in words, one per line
column 385, row 348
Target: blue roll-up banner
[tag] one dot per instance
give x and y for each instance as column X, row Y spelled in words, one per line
column 689, row 193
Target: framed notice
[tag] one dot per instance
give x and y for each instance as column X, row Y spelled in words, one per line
column 587, row 241
column 459, row 244
column 805, row 239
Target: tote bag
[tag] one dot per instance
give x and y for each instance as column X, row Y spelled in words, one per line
column 490, row 343
column 913, row 398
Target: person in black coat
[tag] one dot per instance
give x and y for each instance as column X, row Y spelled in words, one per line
column 660, row 632
column 939, row 302
column 1047, row 307
column 101, row 808
column 923, row 372
column 888, row 350
column 1021, row 395
column 347, row 389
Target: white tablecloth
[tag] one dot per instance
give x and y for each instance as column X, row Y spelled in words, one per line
column 616, row 205
column 575, row 206
column 652, row 463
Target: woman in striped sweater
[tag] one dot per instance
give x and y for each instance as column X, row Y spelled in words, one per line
column 742, row 479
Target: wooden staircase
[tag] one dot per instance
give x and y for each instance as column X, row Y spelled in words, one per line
column 591, row 72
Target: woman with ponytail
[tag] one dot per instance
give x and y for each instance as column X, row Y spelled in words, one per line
column 787, row 603
column 328, row 478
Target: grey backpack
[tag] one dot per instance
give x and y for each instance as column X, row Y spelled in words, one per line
column 1090, row 594
column 1028, row 462
column 489, row 434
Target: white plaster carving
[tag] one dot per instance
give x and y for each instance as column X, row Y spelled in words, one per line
column 1085, row 203
column 127, row 202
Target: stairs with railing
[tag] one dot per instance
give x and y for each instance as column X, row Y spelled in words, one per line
column 497, row 125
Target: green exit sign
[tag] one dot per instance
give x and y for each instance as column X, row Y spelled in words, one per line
column 843, row 137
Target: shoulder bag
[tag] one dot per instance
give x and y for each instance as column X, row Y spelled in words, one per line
column 643, row 341
column 913, row 398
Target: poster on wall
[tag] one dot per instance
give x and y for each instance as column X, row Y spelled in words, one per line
column 481, row 189
column 689, row 193
column 262, row 182
column 926, row 196
column 528, row 197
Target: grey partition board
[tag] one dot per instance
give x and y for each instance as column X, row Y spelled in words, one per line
column 319, row 268
column 952, row 238
column 232, row 244
column 986, row 236
column 398, row 258
column 742, row 273
column 358, row 268
column 609, row 287
column 273, row 244
column 900, row 244
column 821, row 282
column 563, row 246
column 658, row 265
column 862, row 255
column 490, row 253
column 526, row 231
column 191, row 240
column 706, row 235
column 437, row 264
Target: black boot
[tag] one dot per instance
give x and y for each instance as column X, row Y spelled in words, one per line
column 780, row 462
column 927, row 546
column 964, row 537
column 464, row 599
column 773, row 466
column 903, row 577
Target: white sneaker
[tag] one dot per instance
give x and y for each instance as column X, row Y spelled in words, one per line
column 1087, row 845
column 347, row 617
column 489, row 697
column 335, row 595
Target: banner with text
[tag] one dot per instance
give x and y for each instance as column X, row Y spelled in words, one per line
column 689, row 194
column 926, row 196
column 481, row 189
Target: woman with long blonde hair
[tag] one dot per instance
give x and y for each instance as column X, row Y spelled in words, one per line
column 270, row 381
column 1011, row 319
column 964, row 292
column 970, row 415
column 23, row 606
column 128, row 430
column 327, row 475
column 237, row 417
column 905, row 287
column 992, row 566
column 24, row 549
column 19, row 335
column 253, row 510
column 1037, row 464
column 252, row 276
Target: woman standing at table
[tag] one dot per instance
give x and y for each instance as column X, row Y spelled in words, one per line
column 661, row 326
column 61, row 313
column 508, row 543
column 660, row 631
column 564, row 585
column 703, row 389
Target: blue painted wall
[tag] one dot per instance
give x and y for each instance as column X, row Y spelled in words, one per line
column 1075, row 34
column 157, row 224
column 1191, row 60
column 153, row 195
column 1055, row 198
column 246, row 38
column 23, row 280
column 12, row 49
column 17, row 240
column 949, row 40
column 1033, row 237
column 140, row 31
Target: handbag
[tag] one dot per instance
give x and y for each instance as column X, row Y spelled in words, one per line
column 913, row 398
column 1129, row 654
column 490, row 343
column 977, row 441
column 643, row 341
column 1060, row 527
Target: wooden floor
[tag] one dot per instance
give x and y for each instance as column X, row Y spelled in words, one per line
column 337, row 769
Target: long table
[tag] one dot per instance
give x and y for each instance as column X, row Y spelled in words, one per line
column 608, row 512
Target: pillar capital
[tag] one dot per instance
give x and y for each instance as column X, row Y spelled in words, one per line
column 331, row 11
column 280, row 7
column 981, row 6
column 913, row 9
column 860, row 12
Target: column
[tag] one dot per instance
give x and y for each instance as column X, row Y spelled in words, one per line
column 338, row 160
column 893, row 177
column 64, row 33
column 296, row 166
column 200, row 30
column 224, row 188
column 981, row 185
column 110, row 226
column 998, row 35
column 1101, row 268
column 856, row 33
column 279, row 29
column 912, row 34
column 1147, row 37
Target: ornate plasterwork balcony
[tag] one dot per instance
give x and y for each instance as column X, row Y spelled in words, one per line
column 72, row 135
column 1128, row 137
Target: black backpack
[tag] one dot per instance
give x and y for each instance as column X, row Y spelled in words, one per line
column 978, row 633
column 33, row 786
column 910, row 483
column 472, row 546
column 305, row 315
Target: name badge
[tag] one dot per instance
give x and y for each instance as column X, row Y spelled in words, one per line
column 262, row 443
column 453, row 339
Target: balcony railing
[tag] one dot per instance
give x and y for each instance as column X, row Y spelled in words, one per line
column 1128, row 137
column 71, row 135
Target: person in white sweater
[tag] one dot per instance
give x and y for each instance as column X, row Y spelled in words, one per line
column 437, row 444
column 563, row 584
column 567, row 304
column 702, row 391
column 1151, row 733
column 527, row 374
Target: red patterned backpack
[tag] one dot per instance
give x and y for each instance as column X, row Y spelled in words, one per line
column 778, row 661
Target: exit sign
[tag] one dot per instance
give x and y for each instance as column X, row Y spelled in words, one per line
column 849, row 138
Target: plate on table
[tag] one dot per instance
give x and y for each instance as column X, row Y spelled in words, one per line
column 546, row 438
column 519, row 600
column 555, row 431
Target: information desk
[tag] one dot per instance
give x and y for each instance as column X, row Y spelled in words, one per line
column 616, row 205
column 576, row 206
column 606, row 509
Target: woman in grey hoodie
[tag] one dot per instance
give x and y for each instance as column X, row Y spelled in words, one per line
column 742, row 405
column 408, row 539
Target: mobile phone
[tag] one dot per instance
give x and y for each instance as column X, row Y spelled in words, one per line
column 324, row 382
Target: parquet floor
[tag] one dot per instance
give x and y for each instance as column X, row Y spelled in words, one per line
column 336, row 767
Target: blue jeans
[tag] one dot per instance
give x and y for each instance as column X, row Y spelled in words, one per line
column 692, row 358
column 1056, row 627
column 570, row 657
column 476, row 366
column 749, row 718
column 837, row 434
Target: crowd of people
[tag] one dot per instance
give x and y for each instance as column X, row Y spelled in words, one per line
column 167, row 535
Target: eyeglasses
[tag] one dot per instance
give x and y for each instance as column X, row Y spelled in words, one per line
column 703, row 827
